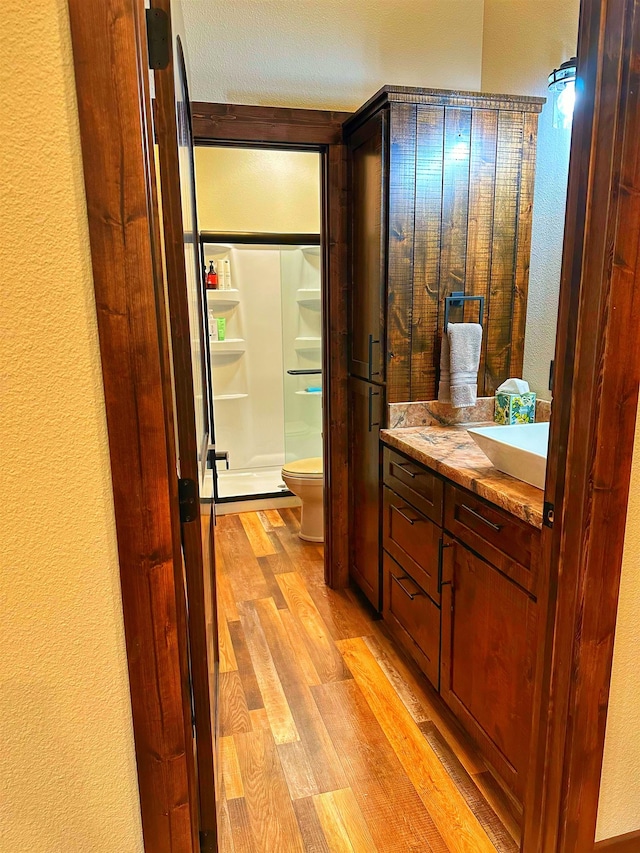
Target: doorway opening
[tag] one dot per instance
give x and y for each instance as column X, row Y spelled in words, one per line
column 259, row 212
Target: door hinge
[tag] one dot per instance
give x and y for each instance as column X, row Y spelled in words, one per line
column 548, row 514
column 158, row 38
column 208, row 842
column 188, row 500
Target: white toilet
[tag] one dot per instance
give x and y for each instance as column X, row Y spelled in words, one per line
column 305, row 479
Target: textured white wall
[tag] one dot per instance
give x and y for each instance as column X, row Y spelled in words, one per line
column 68, row 779
column 329, row 53
column 252, row 189
column 619, row 807
column 524, row 40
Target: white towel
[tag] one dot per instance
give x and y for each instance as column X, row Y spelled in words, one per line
column 459, row 363
column 444, row 386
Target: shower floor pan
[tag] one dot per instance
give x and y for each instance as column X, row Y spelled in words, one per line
column 261, row 481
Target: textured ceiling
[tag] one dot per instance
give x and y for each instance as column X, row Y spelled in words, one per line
column 329, row 53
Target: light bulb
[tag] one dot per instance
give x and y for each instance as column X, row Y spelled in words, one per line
column 565, row 103
column 460, row 151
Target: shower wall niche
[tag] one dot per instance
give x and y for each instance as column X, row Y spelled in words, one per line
column 266, row 373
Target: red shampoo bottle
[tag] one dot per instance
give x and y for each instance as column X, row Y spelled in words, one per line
column 212, row 277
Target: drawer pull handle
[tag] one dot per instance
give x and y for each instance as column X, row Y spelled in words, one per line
column 407, row 466
column 496, row 527
column 372, row 394
column 371, row 371
column 400, row 511
column 410, row 595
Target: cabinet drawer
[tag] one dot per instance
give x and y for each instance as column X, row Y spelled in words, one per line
column 412, row 617
column 415, row 483
column 413, row 541
column 508, row 543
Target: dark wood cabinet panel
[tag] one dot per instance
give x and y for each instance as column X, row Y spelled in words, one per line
column 426, row 250
column 482, row 178
column 412, row 618
column 455, row 199
column 367, row 164
column 366, row 407
column 449, row 177
column 488, row 658
column 499, row 340
column 401, row 236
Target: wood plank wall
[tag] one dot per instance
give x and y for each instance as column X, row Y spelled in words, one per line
column 461, row 196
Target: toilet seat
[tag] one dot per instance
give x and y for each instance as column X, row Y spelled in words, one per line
column 304, row 469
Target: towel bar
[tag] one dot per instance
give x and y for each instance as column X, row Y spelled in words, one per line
column 455, row 300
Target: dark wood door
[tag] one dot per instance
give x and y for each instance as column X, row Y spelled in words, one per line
column 366, row 408
column 367, row 154
column 488, row 658
column 191, row 388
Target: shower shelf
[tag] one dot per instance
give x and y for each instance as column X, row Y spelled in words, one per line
column 308, row 343
column 219, row 298
column 229, row 396
column 309, row 297
column 230, row 346
column 309, row 393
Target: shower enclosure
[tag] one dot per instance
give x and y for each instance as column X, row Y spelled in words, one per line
column 266, row 365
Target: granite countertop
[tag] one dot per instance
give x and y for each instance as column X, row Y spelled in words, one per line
column 450, row 451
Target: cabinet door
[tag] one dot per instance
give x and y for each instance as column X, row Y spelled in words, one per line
column 367, row 255
column 366, row 405
column 488, row 659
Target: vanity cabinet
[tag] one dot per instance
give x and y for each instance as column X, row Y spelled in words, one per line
column 459, row 582
column 440, row 193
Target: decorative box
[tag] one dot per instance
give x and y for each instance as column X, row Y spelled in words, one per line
column 515, row 408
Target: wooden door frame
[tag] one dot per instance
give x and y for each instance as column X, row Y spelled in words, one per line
column 112, row 83
column 321, row 131
column 592, row 435
column 192, row 459
column 596, row 354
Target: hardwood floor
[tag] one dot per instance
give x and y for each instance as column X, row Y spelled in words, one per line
column 329, row 740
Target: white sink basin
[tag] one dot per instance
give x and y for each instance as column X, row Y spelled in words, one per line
column 519, row 450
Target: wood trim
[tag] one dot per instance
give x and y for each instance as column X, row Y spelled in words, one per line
column 270, row 238
column 114, row 115
column 318, row 130
column 334, row 363
column 629, row 843
column 443, row 98
column 592, row 434
column 255, row 125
